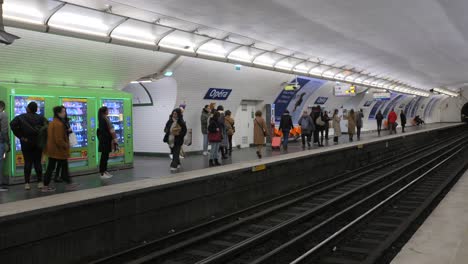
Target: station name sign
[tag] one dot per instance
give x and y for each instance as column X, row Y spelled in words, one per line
column 217, row 94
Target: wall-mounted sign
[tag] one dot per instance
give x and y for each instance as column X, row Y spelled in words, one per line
column 217, row 94
column 382, row 96
column 321, row 100
column 342, row 89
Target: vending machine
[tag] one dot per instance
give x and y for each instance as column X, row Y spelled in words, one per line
column 82, row 106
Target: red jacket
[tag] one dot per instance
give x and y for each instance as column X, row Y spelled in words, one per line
column 392, row 117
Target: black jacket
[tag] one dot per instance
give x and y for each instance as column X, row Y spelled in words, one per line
column 379, row 117
column 104, row 136
column 27, row 126
column 178, row 140
column 403, row 119
column 286, row 122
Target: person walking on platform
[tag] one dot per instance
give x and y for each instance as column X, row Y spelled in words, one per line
column 58, row 170
column 107, row 141
column 336, row 119
column 359, row 121
column 326, row 119
column 320, row 126
column 260, row 132
column 351, row 125
column 285, row 127
column 307, row 128
column 314, row 115
column 215, row 136
column 28, row 127
column 58, row 150
column 4, row 144
column 205, row 115
column 379, row 117
column 175, row 131
column 392, row 118
column 230, row 129
column 403, row 121
column 224, row 143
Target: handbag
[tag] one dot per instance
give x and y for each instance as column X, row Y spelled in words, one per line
column 319, row 121
column 72, row 139
column 215, row 136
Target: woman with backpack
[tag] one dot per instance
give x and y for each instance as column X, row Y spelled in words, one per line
column 215, row 136
column 107, row 141
column 58, row 150
column 175, row 131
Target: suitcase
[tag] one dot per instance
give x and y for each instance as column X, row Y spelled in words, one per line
column 276, row 143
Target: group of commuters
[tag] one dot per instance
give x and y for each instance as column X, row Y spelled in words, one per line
column 40, row 137
column 391, row 121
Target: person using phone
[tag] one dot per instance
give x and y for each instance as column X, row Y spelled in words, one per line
column 107, row 141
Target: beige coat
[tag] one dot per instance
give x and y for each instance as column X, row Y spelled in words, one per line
column 351, row 124
column 260, row 130
column 336, row 125
column 229, row 123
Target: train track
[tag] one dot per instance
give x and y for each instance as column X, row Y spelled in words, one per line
column 275, row 231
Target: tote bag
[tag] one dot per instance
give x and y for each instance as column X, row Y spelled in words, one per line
column 72, row 139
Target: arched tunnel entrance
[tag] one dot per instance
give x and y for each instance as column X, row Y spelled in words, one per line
column 464, row 113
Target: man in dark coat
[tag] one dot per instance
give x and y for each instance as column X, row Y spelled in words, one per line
column 286, row 125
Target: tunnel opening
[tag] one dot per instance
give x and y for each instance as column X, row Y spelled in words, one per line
column 464, row 113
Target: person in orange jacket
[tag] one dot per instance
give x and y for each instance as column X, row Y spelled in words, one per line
column 392, row 118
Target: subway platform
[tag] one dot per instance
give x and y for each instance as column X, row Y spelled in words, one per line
column 149, row 203
column 144, row 166
column 158, row 167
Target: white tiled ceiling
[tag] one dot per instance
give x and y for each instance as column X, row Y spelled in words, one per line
column 47, row 58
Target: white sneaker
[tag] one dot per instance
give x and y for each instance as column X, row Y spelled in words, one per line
column 181, row 157
column 205, row 153
column 170, row 156
column 106, row 176
column 27, row 187
column 178, row 166
column 173, row 169
column 40, row 185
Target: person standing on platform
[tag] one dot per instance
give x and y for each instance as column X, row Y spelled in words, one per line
column 205, row 115
column 336, row 126
column 107, row 141
column 403, row 121
column 260, row 133
column 285, row 127
column 230, row 129
column 351, row 125
column 307, row 128
column 58, row 150
column 4, row 144
column 57, row 177
column 359, row 121
column 314, row 115
column 27, row 127
column 379, row 117
column 392, row 118
column 175, row 131
column 224, row 143
column 215, row 136
column 320, row 126
column 326, row 119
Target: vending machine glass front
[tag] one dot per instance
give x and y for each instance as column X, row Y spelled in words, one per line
column 116, row 116
column 77, row 113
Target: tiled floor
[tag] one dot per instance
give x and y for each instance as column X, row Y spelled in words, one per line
column 156, row 167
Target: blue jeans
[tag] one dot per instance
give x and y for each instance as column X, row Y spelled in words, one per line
column 285, row 138
column 214, row 150
column 205, row 142
column 2, row 151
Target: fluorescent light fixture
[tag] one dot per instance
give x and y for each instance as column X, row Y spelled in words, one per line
column 216, row 48
column 134, row 82
column 79, row 23
column 268, row 59
column 244, row 54
column 446, row 92
column 146, row 81
column 22, row 13
column 299, row 70
column 146, row 42
column 183, row 41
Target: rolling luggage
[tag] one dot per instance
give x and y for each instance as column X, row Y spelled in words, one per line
column 276, row 143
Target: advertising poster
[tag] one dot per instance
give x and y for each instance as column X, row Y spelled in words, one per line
column 299, row 101
column 416, row 106
column 285, row 97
